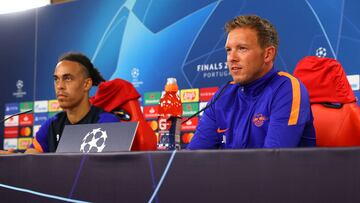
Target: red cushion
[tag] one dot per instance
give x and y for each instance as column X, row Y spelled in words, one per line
column 337, row 127
column 120, row 94
column 325, row 79
column 114, row 93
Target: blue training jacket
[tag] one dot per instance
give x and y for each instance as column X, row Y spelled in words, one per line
column 271, row 112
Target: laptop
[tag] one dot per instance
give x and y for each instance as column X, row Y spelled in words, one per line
column 98, row 137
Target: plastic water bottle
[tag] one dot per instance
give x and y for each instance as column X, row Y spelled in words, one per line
column 170, row 111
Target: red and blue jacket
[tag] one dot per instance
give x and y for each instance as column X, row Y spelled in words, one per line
column 271, row 112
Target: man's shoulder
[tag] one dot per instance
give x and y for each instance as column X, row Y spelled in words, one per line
column 53, row 121
column 288, row 87
column 107, row 117
column 291, row 81
column 104, row 116
column 284, row 80
column 286, row 76
column 282, row 77
column 55, row 118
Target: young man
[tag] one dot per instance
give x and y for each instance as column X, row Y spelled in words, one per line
column 261, row 107
column 74, row 76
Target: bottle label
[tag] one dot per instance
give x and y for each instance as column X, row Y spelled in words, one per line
column 164, row 125
column 169, row 133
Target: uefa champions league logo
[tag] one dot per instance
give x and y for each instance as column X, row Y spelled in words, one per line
column 135, row 72
column 321, row 52
column 19, row 93
column 94, row 141
column 19, row 84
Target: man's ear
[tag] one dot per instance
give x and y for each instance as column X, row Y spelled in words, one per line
column 269, row 54
column 88, row 84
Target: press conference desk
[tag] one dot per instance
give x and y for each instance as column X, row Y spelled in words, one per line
column 279, row 175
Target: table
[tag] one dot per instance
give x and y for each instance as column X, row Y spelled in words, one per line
column 257, row 175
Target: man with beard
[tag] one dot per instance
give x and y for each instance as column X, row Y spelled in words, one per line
column 261, row 107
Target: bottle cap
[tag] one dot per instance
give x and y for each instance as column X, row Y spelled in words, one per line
column 171, row 81
column 171, row 85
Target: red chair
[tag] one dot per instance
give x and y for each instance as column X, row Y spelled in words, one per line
column 333, row 103
column 337, row 127
column 120, row 95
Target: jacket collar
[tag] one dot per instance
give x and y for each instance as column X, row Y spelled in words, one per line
column 255, row 88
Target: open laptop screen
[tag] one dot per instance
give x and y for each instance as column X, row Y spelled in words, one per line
column 98, row 137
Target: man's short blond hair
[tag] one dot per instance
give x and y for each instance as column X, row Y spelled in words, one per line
column 266, row 32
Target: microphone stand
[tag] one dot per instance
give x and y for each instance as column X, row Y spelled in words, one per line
column 207, row 106
column 24, row 112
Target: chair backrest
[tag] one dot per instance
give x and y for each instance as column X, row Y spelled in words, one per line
column 337, row 127
column 326, row 82
column 119, row 94
column 145, row 137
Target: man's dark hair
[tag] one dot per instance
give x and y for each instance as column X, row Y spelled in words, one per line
column 266, row 32
column 83, row 60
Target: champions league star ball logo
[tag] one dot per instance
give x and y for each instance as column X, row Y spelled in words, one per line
column 19, row 84
column 321, row 52
column 94, row 141
column 19, row 93
column 135, row 72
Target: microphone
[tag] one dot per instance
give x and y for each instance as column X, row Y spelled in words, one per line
column 20, row 113
column 24, row 112
column 207, row 106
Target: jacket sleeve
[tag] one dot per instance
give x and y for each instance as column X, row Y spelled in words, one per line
column 40, row 140
column 291, row 117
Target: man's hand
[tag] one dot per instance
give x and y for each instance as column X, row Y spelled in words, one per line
column 9, row 151
column 31, row 151
column 12, row 151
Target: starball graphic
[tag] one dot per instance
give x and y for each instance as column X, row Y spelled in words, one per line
column 94, row 141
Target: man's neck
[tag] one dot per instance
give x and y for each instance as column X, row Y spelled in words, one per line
column 76, row 114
